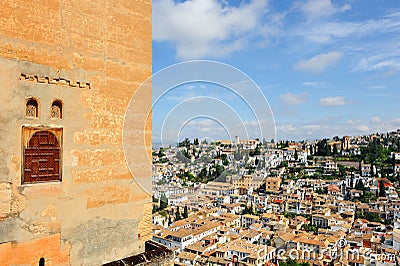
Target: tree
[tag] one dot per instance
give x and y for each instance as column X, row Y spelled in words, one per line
column 382, row 192
column 323, row 148
column 292, row 262
column 185, row 212
column 342, row 170
column 393, row 161
column 335, row 149
column 163, row 201
column 366, row 197
column 177, row 214
column 196, row 141
column 375, row 151
column 257, row 151
column 246, row 158
column 309, row 228
column 238, row 154
column 370, row 216
column 184, row 143
column 219, row 169
column 183, row 155
column 224, row 159
column 161, row 153
column 154, row 209
column 296, row 155
column 360, row 185
column 155, row 199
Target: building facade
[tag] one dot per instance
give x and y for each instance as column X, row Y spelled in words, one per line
column 68, row 70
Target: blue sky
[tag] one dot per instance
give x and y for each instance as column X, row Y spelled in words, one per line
column 326, row 67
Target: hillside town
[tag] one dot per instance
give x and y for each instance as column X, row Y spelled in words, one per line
column 257, row 202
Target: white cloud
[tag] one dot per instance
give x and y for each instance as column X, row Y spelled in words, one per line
column 376, row 120
column 202, row 28
column 333, row 101
column 293, row 99
column 316, row 9
column 313, row 127
column 319, row 62
column 198, row 128
column 286, row 128
column 345, row 8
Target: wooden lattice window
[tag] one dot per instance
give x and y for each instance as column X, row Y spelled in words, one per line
column 42, row 156
column 56, row 110
column 32, row 108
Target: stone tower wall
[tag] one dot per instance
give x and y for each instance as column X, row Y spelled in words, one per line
column 92, row 55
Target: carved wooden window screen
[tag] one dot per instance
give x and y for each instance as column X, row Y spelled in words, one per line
column 31, row 108
column 42, row 158
column 56, row 110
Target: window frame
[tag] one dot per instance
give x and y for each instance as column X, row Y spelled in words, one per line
column 37, row 101
column 59, row 103
column 27, row 133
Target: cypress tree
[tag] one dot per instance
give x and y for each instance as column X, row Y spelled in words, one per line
column 177, row 214
column 382, row 192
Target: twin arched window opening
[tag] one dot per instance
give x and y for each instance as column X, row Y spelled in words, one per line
column 32, row 109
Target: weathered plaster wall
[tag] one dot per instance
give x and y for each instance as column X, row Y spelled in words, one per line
column 97, row 213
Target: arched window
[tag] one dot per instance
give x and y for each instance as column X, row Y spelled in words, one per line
column 42, row 158
column 32, row 108
column 56, row 109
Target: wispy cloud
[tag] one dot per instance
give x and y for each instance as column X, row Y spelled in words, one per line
column 381, row 61
column 319, row 62
column 315, row 84
column 324, row 32
column 289, row 98
column 376, row 94
column 332, row 127
column 333, row 101
column 377, row 87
